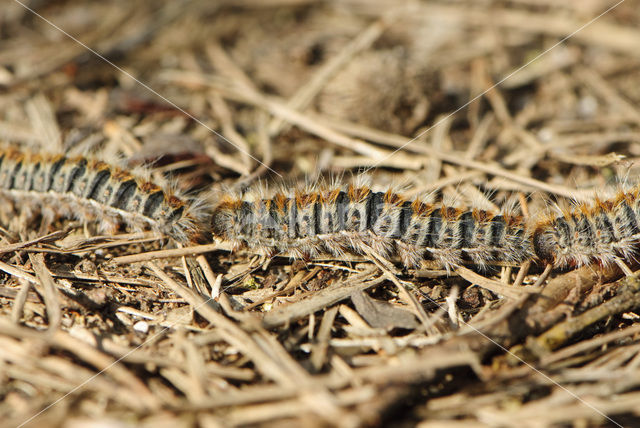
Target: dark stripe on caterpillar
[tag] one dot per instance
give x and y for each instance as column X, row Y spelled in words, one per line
column 124, row 193
column 79, row 170
column 96, row 186
column 153, row 203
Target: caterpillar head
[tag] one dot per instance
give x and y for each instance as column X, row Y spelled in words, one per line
column 545, row 244
column 552, row 241
column 221, row 223
column 229, row 220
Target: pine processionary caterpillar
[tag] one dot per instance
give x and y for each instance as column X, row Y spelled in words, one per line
column 93, row 190
column 603, row 232
column 304, row 224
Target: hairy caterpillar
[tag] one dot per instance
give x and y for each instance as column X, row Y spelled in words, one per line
column 357, row 219
column 93, row 190
column 603, row 232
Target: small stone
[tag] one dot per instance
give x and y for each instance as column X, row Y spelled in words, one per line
column 141, row 327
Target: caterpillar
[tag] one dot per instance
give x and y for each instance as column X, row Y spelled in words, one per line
column 603, row 232
column 357, row 219
column 92, row 190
